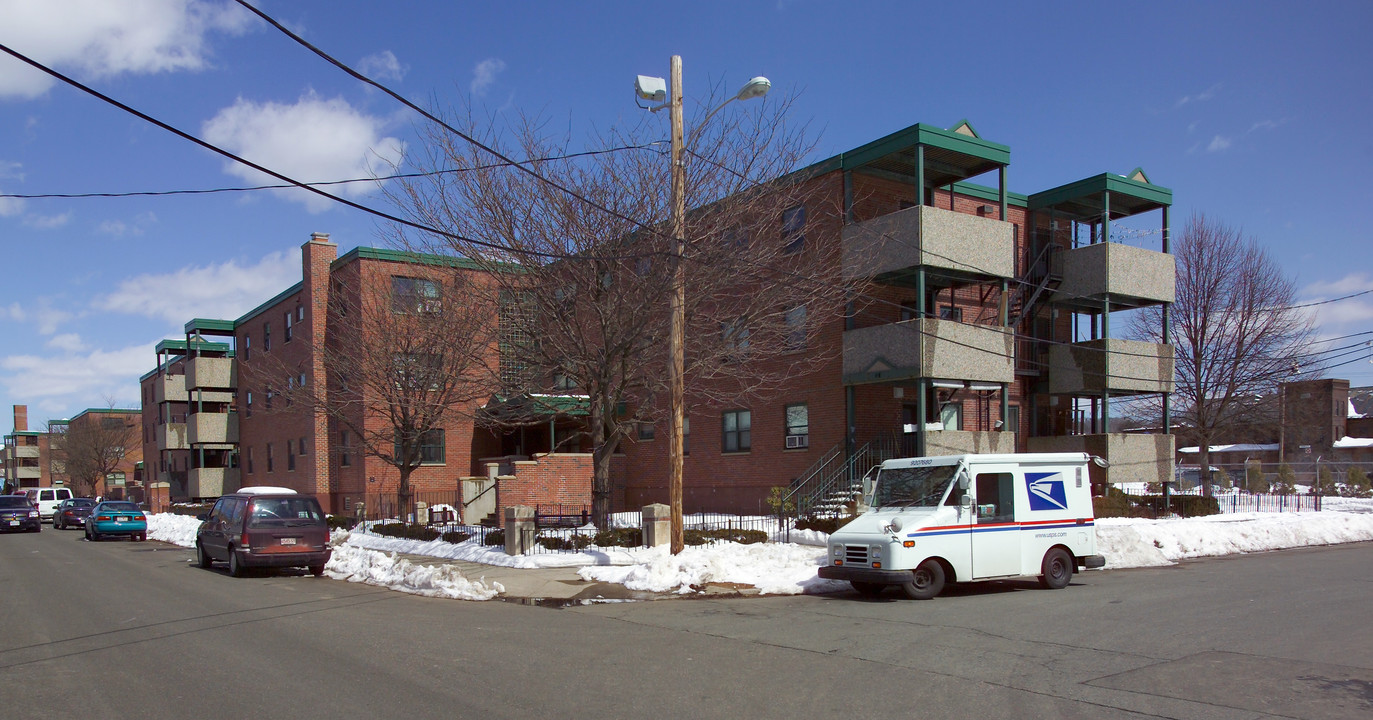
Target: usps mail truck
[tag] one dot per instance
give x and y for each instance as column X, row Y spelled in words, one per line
column 936, row 520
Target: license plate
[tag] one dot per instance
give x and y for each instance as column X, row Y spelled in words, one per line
column 122, row 518
column 288, row 541
column 14, row 523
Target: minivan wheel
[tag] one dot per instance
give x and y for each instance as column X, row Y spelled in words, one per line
column 317, row 570
column 235, row 569
column 927, row 581
column 201, row 558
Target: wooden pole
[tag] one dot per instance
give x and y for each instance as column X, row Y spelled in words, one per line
column 677, row 359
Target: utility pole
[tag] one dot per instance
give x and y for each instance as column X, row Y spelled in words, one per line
column 676, row 356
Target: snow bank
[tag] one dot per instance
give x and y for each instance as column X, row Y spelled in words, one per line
column 773, row 568
column 1130, row 542
column 174, row 529
column 360, row 565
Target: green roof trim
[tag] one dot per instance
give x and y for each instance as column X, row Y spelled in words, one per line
column 169, row 345
column 204, row 325
column 990, row 193
column 1083, row 200
column 989, row 153
column 530, row 405
column 405, row 256
column 264, row 307
column 960, row 125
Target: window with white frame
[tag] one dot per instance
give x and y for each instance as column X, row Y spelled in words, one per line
column 797, row 417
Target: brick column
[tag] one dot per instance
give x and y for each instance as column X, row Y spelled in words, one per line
column 316, row 257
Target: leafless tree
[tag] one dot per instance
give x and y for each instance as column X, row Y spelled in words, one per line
column 403, row 357
column 589, row 236
column 1233, row 327
column 94, row 446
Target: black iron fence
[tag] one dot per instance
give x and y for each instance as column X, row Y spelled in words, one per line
column 1133, row 501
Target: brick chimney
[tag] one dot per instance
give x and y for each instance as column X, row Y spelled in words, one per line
column 21, row 418
column 316, row 257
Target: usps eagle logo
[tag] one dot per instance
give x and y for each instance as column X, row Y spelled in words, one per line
column 1046, row 491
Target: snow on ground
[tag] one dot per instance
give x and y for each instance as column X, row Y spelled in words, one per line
column 790, row 568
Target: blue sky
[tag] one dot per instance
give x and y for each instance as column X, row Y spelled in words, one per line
column 1254, row 113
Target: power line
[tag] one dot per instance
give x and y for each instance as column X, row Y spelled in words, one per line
column 518, row 166
column 381, row 178
column 296, row 183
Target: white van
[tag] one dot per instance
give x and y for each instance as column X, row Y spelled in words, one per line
column 47, row 500
column 958, row 518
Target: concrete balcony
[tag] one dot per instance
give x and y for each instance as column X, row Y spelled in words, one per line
column 211, row 482
column 26, row 451
column 1135, row 368
column 169, row 388
column 212, row 428
column 28, row 473
column 211, row 372
column 1133, row 458
column 966, row 244
column 959, row 442
column 947, row 349
column 172, row 436
column 1131, row 277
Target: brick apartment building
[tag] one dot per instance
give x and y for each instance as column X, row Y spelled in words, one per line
column 28, row 455
column 33, row 458
column 986, row 327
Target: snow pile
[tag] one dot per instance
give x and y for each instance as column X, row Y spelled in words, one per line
column 1129, row 542
column 174, row 529
column 360, row 565
column 473, row 551
column 773, row 568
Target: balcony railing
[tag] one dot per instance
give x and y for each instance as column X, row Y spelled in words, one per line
column 945, row 349
column 211, row 372
column 1128, row 276
column 211, row 482
column 211, row 428
column 169, row 388
column 931, row 237
column 1134, row 368
column 1133, row 458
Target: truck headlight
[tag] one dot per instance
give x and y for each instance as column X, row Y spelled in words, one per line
column 875, row 552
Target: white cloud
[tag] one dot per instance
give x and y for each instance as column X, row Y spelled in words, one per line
column 382, row 66
column 1267, row 125
column 9, row 207
column 1218, row 143
column 484, row 74
column 1202, row 96
column 47, row 222
column 11, row 170
column 99, row 38
column 96, row 374
column 70, row 342
column 224, row 291
column 312, row 140
column 1347, row 285
column 1353, row 311
column 43, row 315
column 134, row 228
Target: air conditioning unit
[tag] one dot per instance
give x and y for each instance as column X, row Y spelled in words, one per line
column 431, row 307
column 796, row 442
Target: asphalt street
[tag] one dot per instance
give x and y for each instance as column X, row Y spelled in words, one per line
column 133, row 630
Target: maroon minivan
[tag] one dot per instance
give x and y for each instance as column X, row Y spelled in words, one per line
column 264, row 527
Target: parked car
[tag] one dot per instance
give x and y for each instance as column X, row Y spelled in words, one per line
column 17, row 514
column 46, row 499
column 264, row 527
column 116, row 517
column 71, row 512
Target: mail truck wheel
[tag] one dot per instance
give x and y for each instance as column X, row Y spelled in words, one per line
column 868, row 589
column 927, row 581
column 1057, row 569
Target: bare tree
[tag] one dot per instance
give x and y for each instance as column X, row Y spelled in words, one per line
column 1233, row 328
column 402, row 359
column 589, row 237
column 94, row 447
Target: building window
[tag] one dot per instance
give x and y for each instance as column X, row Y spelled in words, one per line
column 798, row 426
column 686, row 435
column 645, row 431
column 300, row 380
column 430, row 447
column 290, row 321
column 250, row 461
column 269, row 457
column 269, row 398
column 794, row 229
column 247, row 346
column 950, row 312
column 266, row 337
column 736, row 426
column 415, row 295
column 248, row 403
column 735, row 337
column 1012, row 419
column 300, row 313
column 290, row 456
column 796, row 328
column 951, row 416
column 735, row 236
column 344, row 459
column 302, row 448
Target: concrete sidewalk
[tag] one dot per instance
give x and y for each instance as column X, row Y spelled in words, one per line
column 563, row 586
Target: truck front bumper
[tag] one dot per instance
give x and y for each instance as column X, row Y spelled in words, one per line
column 867, row 575
column 1093, row 561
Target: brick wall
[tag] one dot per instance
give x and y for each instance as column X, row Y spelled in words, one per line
column 561, row 479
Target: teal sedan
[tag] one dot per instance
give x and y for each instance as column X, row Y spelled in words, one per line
column 116, row 517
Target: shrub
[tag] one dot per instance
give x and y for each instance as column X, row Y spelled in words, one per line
column 1286, row 484
column 822, row 524
column 567, row 542
column 455, row 536
column 776, row 504
column 408, row 532
column 495, row 537
column 1356, row 484
column 341, row 522
column 1116, row 503
column 620, row 537
column 743, row 537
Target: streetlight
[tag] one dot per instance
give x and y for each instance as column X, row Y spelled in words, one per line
column 653, row 90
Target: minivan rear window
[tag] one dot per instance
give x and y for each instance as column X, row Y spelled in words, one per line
column 267, row 512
